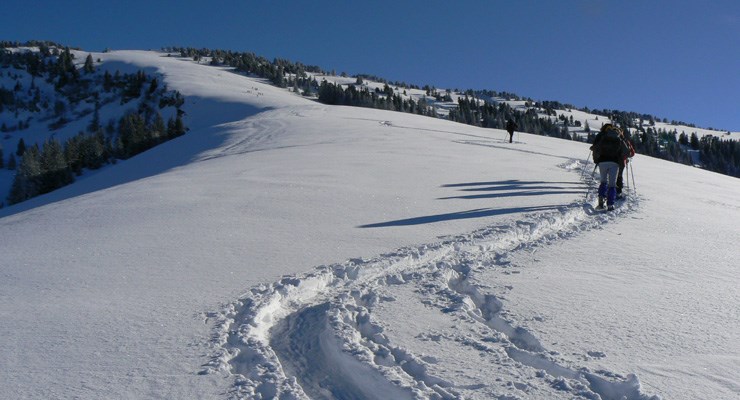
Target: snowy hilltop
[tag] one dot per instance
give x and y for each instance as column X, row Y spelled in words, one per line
column 284, row 248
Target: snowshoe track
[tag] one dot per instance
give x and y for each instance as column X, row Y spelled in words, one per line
column 308, row 336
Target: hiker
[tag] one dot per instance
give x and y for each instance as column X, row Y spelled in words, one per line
column 625, row 136
column 511, row 127
column 609, row 151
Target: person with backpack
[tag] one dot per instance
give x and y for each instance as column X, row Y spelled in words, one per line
column 630, row 153
column 511, row 127
column 609, row 150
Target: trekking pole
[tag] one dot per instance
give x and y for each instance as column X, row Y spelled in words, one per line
column 632, row 170
column 588, row 189
column 627, row 180
column 585, row 163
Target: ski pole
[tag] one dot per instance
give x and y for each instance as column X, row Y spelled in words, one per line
column 632, row 170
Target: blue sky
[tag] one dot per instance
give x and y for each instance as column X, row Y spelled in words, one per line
column 674, row 59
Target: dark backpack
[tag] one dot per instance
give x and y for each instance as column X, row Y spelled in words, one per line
column 609, row 147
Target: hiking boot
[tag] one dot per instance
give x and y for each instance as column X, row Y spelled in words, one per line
column 611, row 208
column 600, row 206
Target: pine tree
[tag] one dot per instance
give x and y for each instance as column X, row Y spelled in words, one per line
column 279, row 77
column 170, row 128
column 54, row 171
column 107, row 81
column 92, row 151
column 72, row 153
column 695, row 141
column 153, row 86
column 21, row 149
column 65, row 69
column 25, row 183
column 132, row 135
column 683, row 139
column 94, row 126
column 179, row 126
column 89, row 67
column 158, row 129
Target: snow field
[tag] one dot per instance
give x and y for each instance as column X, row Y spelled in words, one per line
column 496, row 289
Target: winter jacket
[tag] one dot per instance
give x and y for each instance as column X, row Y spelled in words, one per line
column 609, row 146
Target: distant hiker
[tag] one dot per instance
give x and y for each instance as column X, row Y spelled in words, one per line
column 511, row 127
column 609, row 151
column 625, row 136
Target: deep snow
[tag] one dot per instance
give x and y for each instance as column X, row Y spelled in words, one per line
column 287, row 248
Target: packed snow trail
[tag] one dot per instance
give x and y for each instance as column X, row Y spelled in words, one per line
column 322, row 335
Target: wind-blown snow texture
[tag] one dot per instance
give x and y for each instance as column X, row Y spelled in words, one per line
column 287, row 249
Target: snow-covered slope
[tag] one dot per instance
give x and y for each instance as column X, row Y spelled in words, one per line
column 283, row 248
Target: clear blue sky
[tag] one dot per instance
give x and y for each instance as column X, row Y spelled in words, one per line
column 675, row 59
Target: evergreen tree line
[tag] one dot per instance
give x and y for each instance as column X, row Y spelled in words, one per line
column 52, row 165
column 56, row 66
column 280, row 72
column 72, row 86
column 478, row 112
column 716, row 154
column 470, row 110
column 722, row 156
column 385, row 99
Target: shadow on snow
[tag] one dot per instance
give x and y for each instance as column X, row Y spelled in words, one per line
column 508, row 188
column 514, row 188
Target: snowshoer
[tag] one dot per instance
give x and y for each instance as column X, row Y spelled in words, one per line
column 609, row 150
column 511, row 127
column 623, row 162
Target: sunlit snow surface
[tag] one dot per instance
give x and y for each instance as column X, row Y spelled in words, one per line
column 287, row 249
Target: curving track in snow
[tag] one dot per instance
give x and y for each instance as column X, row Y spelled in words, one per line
column 323, row 335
